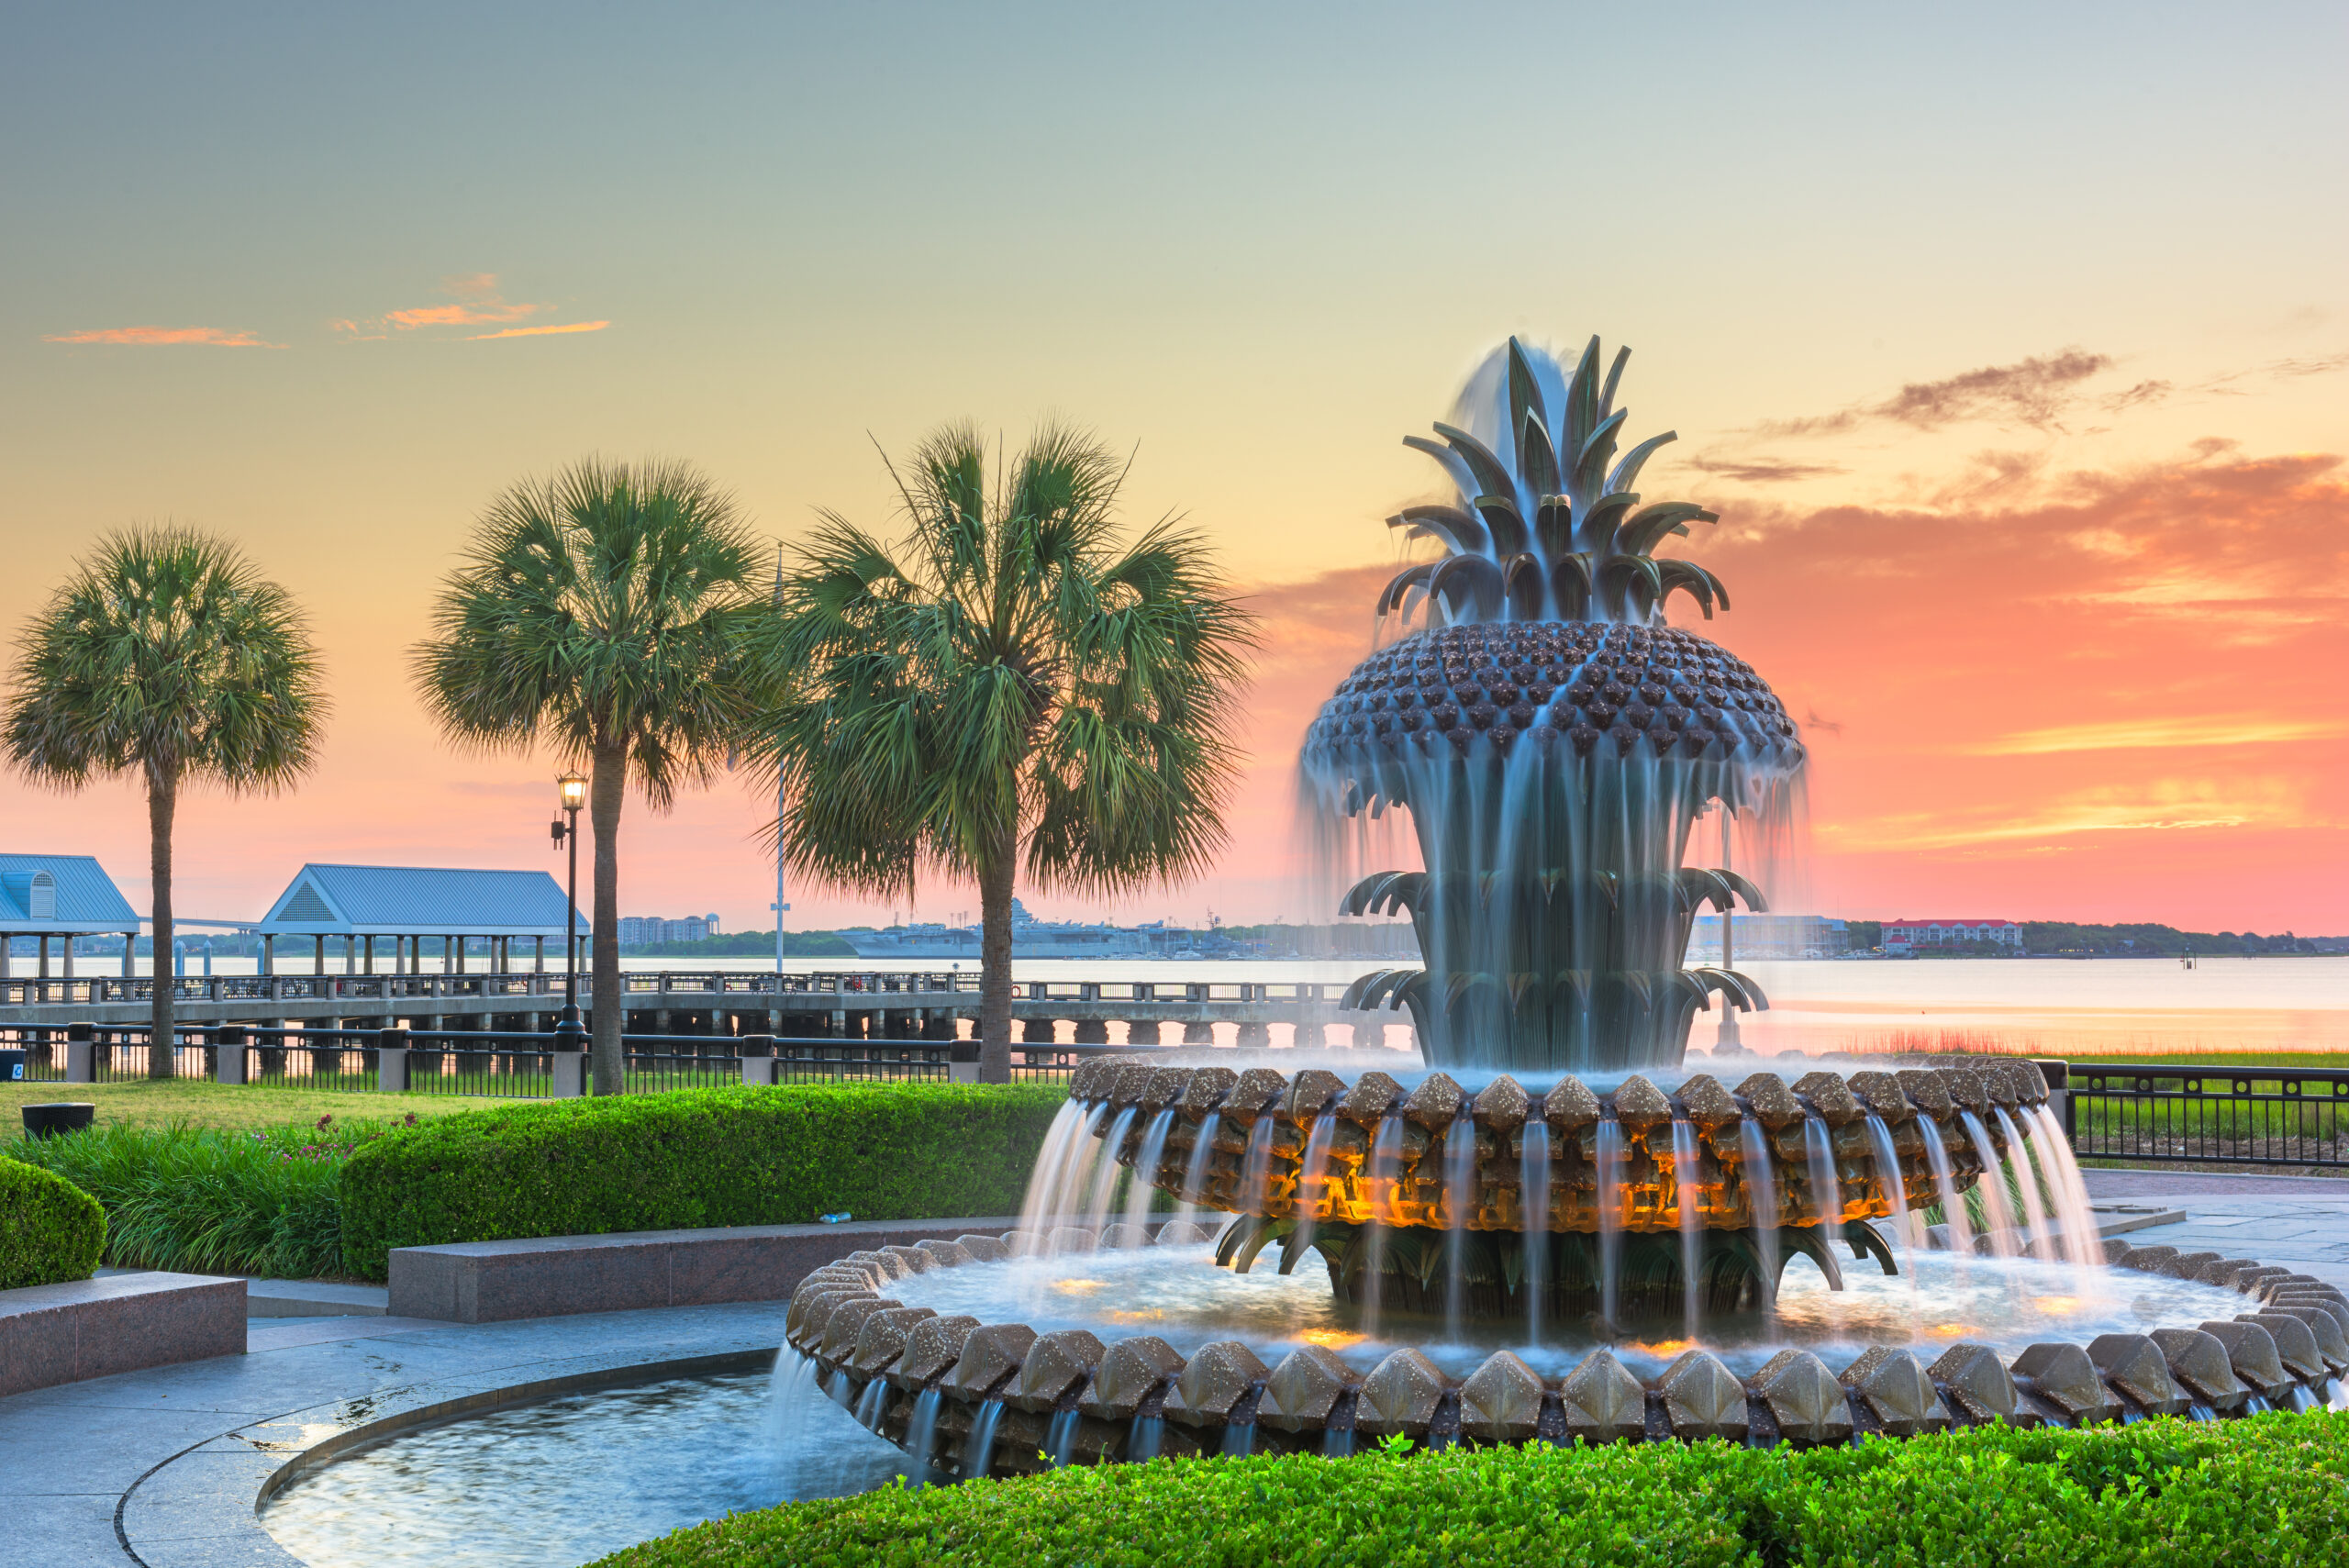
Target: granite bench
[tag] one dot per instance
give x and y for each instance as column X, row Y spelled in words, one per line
column 550, row 1276
column 123, row 1322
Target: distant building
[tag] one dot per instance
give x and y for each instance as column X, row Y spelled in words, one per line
column 652, row 930
column 1907, row 936
column 62, row 896
column 352, row 907
column 709, row 924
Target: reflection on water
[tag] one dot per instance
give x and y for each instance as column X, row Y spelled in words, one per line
column 555, row 1484
column 1178, row 1294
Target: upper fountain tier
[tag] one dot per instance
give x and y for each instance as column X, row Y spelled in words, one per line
column 1555, row 743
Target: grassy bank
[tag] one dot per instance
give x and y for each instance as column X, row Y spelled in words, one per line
column 2271, row 1490
column 199, row 1102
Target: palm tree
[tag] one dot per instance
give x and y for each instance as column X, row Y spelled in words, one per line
column 600, row 610
column 1016, row 688
column 166, row 654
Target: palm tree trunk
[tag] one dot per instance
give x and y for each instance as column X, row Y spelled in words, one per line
column 163, row 798
column 995, row 961
column 606, row 790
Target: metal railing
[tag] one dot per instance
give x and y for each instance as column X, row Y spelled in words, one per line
column 841, row 985
column 504, row 1064
column 2216, row 1116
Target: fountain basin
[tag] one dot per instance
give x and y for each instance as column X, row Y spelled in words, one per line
column 967, row 1397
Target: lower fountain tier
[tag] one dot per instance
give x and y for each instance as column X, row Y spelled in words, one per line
column 1313, row 1146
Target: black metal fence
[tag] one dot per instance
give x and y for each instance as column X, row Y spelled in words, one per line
column 501, row 1063
column 2219, row 1116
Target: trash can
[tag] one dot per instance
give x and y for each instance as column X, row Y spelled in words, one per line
column 12, row 1062
column 66, row 1116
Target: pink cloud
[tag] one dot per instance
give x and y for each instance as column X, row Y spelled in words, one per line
column 541, row 331
column 150, row 337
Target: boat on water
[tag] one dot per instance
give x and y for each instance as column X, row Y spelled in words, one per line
column 1031, row 937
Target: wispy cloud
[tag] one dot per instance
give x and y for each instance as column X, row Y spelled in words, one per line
column 2137, row 734
column 2033, row 392
column 474, row 301
column 541, row 331
column 156, row 337
column 1763, row 470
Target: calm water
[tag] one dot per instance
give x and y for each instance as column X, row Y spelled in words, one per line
column 575, row 1479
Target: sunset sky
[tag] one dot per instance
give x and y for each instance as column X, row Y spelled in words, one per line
column 2010, row 343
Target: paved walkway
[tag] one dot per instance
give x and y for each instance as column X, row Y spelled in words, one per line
column 162, row 1468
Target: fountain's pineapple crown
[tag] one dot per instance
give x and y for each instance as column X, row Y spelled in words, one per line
column 1549, row 527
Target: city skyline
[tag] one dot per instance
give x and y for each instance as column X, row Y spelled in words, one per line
column 2030, row 467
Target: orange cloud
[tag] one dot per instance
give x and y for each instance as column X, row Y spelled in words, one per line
column 541, row 331
column 478, row 304
column 2098, row 697
column 149, row 336
column 459, row 315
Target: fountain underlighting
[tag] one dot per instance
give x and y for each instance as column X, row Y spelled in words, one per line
column 1550, row 1228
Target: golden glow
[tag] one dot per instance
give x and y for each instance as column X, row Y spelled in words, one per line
column 1138, row 1316
column 1331, row 1339
column 1950, row 1331
column 2057, row 1305
column 573, row 787
column 1076, row 1286
column 2136, row 733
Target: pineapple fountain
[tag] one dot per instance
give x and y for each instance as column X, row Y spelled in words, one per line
column 1552, row 1175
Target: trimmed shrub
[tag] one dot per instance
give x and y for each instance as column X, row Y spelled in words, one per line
column 2245, row 1494
column 51, row 1230
column 213, row 1200
column 695, row 1158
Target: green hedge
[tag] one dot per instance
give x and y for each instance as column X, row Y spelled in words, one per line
column 51, row 1230
column 2266, row 1490
column 213, row 1200
column 702, row 1157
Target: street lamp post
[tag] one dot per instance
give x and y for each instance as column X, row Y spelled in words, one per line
column 573, row 789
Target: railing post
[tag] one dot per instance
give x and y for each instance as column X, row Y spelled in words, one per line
column 228, row 1053
column 758, row 1060
column 567, row 1061
column 81, row 1053
column 390, row 1061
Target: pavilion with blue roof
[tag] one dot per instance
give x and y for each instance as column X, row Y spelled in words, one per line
column 412, row 905
column 61, row 895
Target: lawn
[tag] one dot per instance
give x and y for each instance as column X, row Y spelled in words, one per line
column 199, row 1102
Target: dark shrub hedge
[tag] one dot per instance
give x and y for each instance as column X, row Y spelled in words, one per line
column 2267, row 1490
column 51, row 1230
column 700, row 1156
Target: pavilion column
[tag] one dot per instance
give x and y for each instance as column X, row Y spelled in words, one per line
column 538, row 965
column 130, row 954
column 44, row 955
column 69, row 953
column 269, row 953
column 369, row 959
column 318, row 961
column 351, row 955
column 8, row 940
column 454, row 947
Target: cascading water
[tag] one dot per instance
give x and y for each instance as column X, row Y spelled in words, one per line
column 2070, row 1194
column 1533, row 1184
column 870, row 1403
column 1687, row 1195
column 1459, row 1190
column 1762, row 1189
column 1140, row 1195
column 1144, row 1438
column 921, row 1434
column 1106, row 1174
column 1961, row 1233
column 1313, row 1174
column 978, row 1448
column 1060, row 1437
column 2027, row 1183
column 1384, row 1165
column 1993, row 1188
column 1612, row 1201
column 1195, row 1169
column 1256, row 1167
column 1068, row 1152
column 1826, row 1187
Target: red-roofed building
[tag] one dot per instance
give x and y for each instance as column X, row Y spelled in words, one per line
column 1907, row 936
